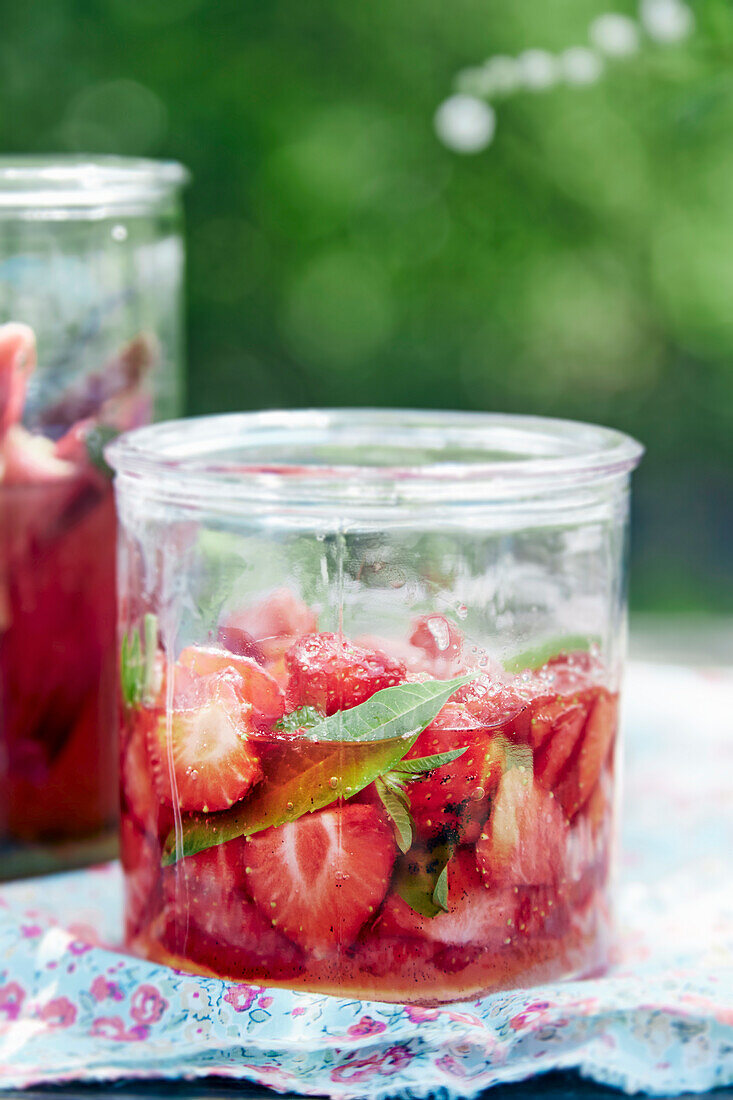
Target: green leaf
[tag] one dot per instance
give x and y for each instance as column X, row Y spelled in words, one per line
column 440, row 893
column 537, row 657
column 131, row 669
column 397, row 806
column 137, row 665
column 96, row 440
column 417, row 876
column 421, row 765
column 299, row 781
column 401, row 711
column 302, row 718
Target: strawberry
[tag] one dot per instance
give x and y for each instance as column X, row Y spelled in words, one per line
column 586, row 764
column 441, row 644
column 205, row 760
column 329, row 672
column 555, row 750
column 320, row 878
column 492, row 701
column 476, row 914
column 451, row 803
column 140, row 800
column 524, row 840
column 31, row 459
column 141, row 866
column 265, row 630
column 17, row 362
column 210, row 919
column 257, row 686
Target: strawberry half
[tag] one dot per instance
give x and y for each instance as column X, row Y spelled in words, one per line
column 329, row 672
column 210, row 919
column 205, row 761
column 576, row 787
column 320, row 878
column 257, row 686
column 556, row 750
column 524, row 841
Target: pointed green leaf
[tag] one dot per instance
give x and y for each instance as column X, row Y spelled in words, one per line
column 401, row 711
column 421, row 765
column 416, row 877
column 539, row 655
column 398, row 809
column 440, row 893
column 298, row 781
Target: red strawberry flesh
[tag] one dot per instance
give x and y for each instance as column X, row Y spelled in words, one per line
column 329, row 672
column 322, row 877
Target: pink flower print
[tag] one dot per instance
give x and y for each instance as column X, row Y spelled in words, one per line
column 59, row 1012
column 530, row 1016
column 449, row 1065
column 395, row 1059
column 299, row 1011
column 265, row 1002
column 241, row 997
column 30, row 931
column 366, row 1026
column 78, row 947
column 11, row 1000
column 113, row 1027
column 147, row 1006
column 101, row 989
column 357, row 1069
column 421, row 1015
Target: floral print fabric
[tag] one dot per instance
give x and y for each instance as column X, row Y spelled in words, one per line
column 660, row 1021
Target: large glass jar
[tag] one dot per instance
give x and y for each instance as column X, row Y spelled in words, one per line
column 370, row 674
column 91, row 260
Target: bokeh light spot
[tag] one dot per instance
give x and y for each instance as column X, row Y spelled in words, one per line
column 465, row 124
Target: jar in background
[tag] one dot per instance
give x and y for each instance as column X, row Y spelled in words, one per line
column 370, row 670
column 91, row 262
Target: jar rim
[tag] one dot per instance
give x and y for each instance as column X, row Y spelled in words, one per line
column 82, row 182
column 368, row 456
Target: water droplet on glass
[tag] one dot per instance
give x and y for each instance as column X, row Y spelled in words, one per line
column 333, row 782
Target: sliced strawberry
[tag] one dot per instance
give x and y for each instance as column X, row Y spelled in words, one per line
column 320, row 878
column 32, row 459
column 257, row 686
column 476, row 914
column 566, row 673
column 524, row 841
column 202, row 757
column 210, row 919
column 555, row 751
column 17, row 362
column 141, row 866
column 594, row 747
column 140, row 798
column 265, row 630
column 332, row 673
column 441, row 644
column 492, row 701
column 451, row 802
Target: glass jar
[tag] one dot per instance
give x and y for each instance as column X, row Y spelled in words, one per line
column 370, row 671
column 91, row 261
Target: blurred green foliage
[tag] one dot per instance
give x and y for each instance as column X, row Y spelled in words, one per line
column 581, row 266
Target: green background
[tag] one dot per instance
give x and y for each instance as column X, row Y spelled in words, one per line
column 581, row 266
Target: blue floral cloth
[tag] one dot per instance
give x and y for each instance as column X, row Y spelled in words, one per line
column 661, row 1021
